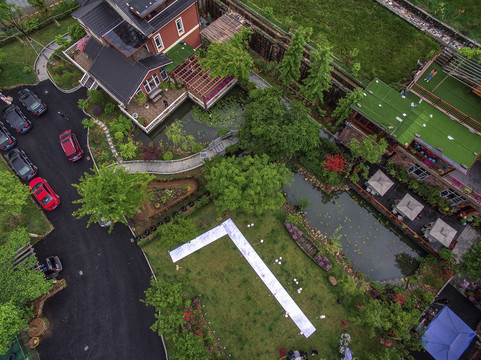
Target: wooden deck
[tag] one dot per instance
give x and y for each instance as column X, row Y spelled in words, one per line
column 222, row 29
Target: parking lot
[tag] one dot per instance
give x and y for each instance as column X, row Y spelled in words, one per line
column 99, row 314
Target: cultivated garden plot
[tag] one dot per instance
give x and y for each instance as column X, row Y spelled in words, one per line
column 249, row 321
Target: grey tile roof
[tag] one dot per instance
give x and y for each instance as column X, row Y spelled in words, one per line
column 99, row 17
column 92, row 48
column 120, row 74
column 87, row 7
column 154, row 61
column 142, row 24
column 170, row 13
column 126, row 38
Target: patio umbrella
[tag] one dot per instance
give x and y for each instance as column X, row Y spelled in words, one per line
column 82, row 43
column 409, row 207
column 380, row 182
column 442, row 232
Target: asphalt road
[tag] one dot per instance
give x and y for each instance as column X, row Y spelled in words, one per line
column 99, row 315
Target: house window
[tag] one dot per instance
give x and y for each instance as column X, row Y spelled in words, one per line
column 163, row 74
column 452, row 196
column 151, row 83
column 417, row 170
column 158, row 43
column 139, row 90
column 180, row 26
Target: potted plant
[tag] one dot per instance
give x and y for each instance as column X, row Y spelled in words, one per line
column 141, row 98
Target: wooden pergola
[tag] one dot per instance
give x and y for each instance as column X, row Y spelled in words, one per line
column 197, row 81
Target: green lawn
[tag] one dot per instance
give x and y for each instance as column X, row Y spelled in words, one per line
column 245, row 315
column 464, row 15
column 32, row 217
column 388, row 46
column 19, row 55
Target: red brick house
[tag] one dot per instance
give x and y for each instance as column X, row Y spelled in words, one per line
column 128, row 41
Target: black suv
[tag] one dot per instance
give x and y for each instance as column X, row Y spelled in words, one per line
column 32, row 102
column 7, row 141
column 15, row 118
column 21, row 164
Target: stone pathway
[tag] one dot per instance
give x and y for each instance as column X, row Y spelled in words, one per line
column 106, row 131
column 182, row 165
column 282, row 296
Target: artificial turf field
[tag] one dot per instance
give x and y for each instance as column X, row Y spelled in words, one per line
column 405, row 117
column 452, row 91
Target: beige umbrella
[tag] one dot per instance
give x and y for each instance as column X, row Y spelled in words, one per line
column 380, row 182
column 409, row 207
column 442, row 232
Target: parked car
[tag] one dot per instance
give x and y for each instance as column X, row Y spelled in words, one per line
column 32, row 102
column 52, row 267
column 44, row 194
column 70, row 145
column 21, row 164
column 15, row 118
column 7, row 141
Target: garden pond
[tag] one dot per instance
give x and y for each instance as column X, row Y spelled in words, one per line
column 204, row 126
column 372, row 244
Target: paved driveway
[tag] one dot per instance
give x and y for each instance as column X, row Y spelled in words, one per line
column 99, row 315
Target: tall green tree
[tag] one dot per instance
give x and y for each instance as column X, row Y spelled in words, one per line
column 111, row 192
column 319, row 79
column 230, row 58
column 166, row 298
column 291, row 63
column 12, row 320
column 40, row 5
column 13, row 193
column 250, row 184
column 369, row 149
column 19, row 284
column 272, row 128
column 179, row 137
column 189, row 346
column 471, row 262
column 343, row 109
column 11, row 14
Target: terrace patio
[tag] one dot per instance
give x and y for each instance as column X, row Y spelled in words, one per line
column 428, row 214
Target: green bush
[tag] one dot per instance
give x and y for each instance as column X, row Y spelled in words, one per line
column 428, row 297
column 168, row 156
column 120, row 124
column 96, row 96
column 76, row 32
column 110, row 108
column 196, row 147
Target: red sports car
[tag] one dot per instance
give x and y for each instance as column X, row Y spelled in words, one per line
column 44, row 194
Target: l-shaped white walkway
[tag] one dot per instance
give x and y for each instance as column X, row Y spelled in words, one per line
column 229, row 228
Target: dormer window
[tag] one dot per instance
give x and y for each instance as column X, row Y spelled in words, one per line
column 158, row 43
column 180, row 26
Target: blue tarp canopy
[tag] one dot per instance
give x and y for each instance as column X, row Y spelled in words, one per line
column 447, row 336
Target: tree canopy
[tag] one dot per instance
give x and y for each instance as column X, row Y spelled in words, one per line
column 251, row 184
column 291, row 63
column 368, row 149
column 179, row 230
column 111, row 192
column 343, row 109
column 166, row 298
column 319, row 79
column 471, row 262
column 272, row 128
column 19, row 284
column 230, row 58
column 13, row 193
